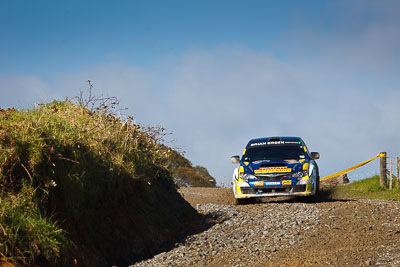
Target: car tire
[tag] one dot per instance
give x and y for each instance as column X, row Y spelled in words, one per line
column 317, row 183
column 314, row 198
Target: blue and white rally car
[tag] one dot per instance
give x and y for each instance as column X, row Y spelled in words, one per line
column 275, row 166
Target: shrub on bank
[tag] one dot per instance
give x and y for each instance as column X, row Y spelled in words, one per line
column 80, row 184
column 184, row 174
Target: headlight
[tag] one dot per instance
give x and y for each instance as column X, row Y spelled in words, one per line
column 247, row 176
column 297, row 174
column 304, row 181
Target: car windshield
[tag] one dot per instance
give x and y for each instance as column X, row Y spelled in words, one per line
column 286, row 152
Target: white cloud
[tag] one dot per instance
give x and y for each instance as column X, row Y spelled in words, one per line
column 224, row 103
column 215, row 101
column 22, row 91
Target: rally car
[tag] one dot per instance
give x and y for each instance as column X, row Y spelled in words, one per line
column 275, row 166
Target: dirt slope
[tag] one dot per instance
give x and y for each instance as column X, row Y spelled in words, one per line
column 286, row 232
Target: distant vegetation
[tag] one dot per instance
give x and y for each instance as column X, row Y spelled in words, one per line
column 81, row 185
column 368, row 188
column 185, row 175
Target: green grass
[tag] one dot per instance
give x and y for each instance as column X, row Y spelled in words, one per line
column 66, row 166
column 368, row 188
column 25, row 234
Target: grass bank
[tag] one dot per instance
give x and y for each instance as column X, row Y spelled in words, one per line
column 80, row 185
column 368, row 188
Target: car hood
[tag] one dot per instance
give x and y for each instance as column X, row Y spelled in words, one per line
column 273, row 166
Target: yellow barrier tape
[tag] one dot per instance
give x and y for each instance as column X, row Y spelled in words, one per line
column 352, row 168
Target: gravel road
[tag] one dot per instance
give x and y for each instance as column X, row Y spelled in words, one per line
column 287, row 232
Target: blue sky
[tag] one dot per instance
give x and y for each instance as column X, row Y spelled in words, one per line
column 217, row 73
column 83, row 33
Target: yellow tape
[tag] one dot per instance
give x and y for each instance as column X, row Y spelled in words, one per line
column 352, row 168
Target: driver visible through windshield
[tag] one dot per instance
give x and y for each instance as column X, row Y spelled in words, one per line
column 285, row 152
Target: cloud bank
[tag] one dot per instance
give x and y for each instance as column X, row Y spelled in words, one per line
column 339, row 91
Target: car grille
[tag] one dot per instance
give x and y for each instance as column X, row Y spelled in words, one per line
column 272, row 177
column 263, row 190
column 299, row 188
column 248, row 190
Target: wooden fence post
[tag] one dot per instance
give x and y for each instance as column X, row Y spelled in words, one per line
column 391, row 175
column 397, row 170
column 383, row 170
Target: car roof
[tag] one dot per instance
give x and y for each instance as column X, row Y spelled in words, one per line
column 276, row 138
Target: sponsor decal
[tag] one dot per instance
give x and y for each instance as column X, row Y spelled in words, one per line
column 241, row 171
column 287, row 182
column 273, row 183
column 273, row 169
column 293, row 142
column 275, row 143
column 259, row 144
column 291, row 160
column 258, row 183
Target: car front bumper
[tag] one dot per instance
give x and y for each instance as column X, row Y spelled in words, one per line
column 274, row 191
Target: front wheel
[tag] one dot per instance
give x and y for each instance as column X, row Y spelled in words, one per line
column 314, row 197
column 317, row 183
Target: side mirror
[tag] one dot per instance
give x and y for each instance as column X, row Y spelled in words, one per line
column 314, row 155
column 235, row 159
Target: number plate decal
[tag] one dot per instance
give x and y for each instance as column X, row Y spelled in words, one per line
column 258, row 183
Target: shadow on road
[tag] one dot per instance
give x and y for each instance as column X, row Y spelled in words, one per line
column 205, row 222
column 324, row 195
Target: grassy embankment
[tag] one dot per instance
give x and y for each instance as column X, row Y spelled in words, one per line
column 78, row 185
column 368, row 188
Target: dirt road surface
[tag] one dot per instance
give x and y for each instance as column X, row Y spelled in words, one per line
column 287, row 232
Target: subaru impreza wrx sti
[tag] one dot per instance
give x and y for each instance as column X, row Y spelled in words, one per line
column 275, row 166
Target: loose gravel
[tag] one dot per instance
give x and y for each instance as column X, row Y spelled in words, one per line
column 289, row 233
column 247, row 232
